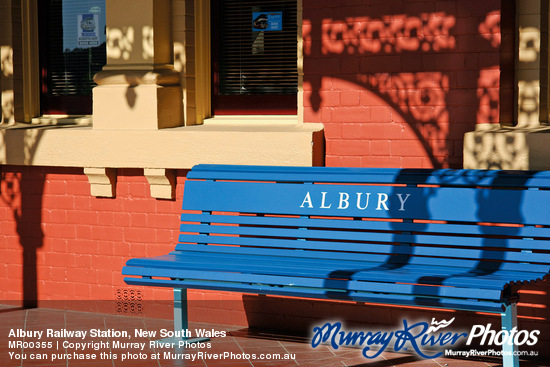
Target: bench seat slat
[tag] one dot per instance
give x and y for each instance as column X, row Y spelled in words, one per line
column 454, row 239
column 403, row 272
column 433, row 269
column 294, row 281
column 330, row 269
column 455, row 304
column 448, row 177
column 368, row 225
column 346, row 248
column 369, row 258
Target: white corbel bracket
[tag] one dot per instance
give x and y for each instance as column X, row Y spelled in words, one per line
column 162, row 182
column 102, row 181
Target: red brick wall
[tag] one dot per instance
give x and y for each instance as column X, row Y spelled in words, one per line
column 72, row 244
column 60, row 245
column 398, row 83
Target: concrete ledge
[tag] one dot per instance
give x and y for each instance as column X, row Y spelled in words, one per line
column 173, row 148
column 507, row 148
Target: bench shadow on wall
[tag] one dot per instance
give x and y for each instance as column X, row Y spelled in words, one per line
column 299, row 316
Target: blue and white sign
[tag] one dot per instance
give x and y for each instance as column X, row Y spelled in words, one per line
column 267, row 21
column 87, row 30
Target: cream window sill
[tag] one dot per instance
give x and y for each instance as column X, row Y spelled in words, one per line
column 80, row 120
column 71, row 145
column 252, row 120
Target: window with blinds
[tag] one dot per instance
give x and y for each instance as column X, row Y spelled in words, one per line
column 257, row 47
column 72, row 50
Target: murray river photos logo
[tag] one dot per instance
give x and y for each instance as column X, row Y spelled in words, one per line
column 426, row 340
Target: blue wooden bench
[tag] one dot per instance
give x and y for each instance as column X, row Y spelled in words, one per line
column 454, row 239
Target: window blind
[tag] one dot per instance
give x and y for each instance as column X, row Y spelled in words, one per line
column 73, row 46
column 258, row 47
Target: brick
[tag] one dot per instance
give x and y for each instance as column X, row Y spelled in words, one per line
column 80, row 188
column 350, row 64
column 64, row 231
column 58, row 202
column 103, row 233
column 461, row 97
column 380, row 147
column 333, row 161
column 412, row 162
column 121, row 219
column 138, row 220
column 407, row 148
column 381, row 130
column 167, row 236
column 331, row 98
column 58, row 259
column 107, row 204
column 140, row 189
column 58, row 216
column 82, row 202
column 380, row 114
column 348, row 147
column 105, row 218
column 171, row 206
column 33, row 215
column 121, row 249
column 167, row 221
column 53, row 245
column 333, row 131
column 370, row 98
column 311, row 115
column 467, row 78
column 351, row 131
column 140, row 206
column 323, row 66
column 352, row 114
column 11, row 256
column 351, row 162
column 462, row 114
column 338, row 83
column 350, row 97
column 55, row 187
column 382, row 162
column 381, row 64
column 326, row 115
column 138, row 249
column 82, row 261
column 477, row 8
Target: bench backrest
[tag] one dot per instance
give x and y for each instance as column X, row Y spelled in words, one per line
column 456, row 218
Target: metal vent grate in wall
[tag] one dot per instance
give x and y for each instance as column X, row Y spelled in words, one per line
column 129, row 301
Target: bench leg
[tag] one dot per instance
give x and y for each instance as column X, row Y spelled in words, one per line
column 509, row 321
column 181, row 317
column 181, row 322
column 180, row 309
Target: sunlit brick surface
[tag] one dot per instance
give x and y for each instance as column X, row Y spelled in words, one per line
column 398, row 83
